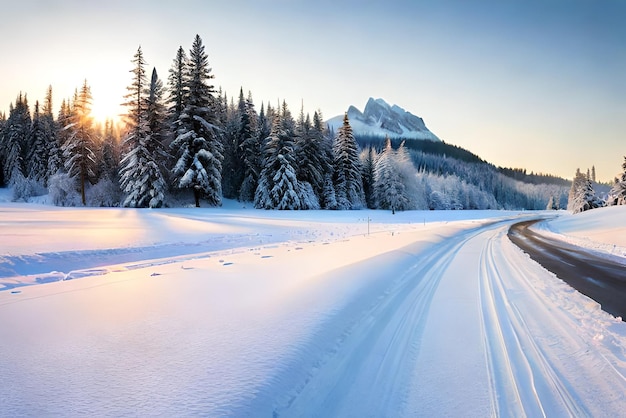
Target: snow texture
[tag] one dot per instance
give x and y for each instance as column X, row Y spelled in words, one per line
column 243, row 312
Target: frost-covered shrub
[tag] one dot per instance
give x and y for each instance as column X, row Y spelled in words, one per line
column 62, row 190
column 105, row 193
column 24, row 188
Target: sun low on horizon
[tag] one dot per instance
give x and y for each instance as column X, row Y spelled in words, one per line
column 107, row 100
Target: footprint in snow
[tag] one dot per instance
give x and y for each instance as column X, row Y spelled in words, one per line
column 266, row 256
column 15, row 292
column 227, row 264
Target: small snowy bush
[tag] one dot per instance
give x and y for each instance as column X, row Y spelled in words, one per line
column 62, row 190
column 24, row 188
column 105, row 193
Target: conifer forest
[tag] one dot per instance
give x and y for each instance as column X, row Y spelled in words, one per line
column 183, row 142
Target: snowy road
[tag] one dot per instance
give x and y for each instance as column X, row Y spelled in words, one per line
column 600, row 278
column 463, row 332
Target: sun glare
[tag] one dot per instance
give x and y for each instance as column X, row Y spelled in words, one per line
column 106, row 105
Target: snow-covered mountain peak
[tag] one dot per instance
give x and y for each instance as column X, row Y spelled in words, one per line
column 379, row 118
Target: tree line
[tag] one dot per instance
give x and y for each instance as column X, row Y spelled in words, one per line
column 584, row 196
column 186, row 142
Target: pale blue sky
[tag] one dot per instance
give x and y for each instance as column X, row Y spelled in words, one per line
column 534, row 84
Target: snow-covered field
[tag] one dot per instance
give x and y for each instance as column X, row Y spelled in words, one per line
column 241, row 312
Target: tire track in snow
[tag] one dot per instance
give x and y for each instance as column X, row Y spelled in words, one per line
column 524, row 381
column 368, row 371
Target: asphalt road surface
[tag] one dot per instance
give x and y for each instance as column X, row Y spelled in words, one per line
column 602, row 280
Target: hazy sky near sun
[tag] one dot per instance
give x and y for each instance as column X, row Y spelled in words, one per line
column 539, row 84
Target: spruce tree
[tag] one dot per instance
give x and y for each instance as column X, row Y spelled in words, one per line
column 368, row 167
column 313, row 155
column 37, row 157
column 15, row 140
column 389, row 190
column 177, row 92
column 278, row 186
column 347, row 169
column 141, row 169
column 110, row 151
column 78, row 149
column 582, row 196
column 617, row 194
column 237, row 130
column 51, row 128
column 250, row 150
column 198, row 147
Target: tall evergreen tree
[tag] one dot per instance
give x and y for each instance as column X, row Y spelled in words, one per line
column 37, row 156
column 347, row 169
column 312, row 154
column 389, row 189
column 237, row 129
column 250, row 150
column 197, row 145
column 177, row 91
column 15, row 140
column 368, row 167
column 110, row 151
column 617, row 194
column 278, row 186
column 78, row 149
column 141, row 172
column 51, row 128
column 593, row 173
column 582, row 196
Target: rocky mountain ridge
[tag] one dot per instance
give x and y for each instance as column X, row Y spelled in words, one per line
column 381, row 119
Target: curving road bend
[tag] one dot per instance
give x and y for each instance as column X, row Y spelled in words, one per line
column 598, row 278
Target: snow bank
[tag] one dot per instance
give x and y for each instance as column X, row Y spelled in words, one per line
column 602, row 230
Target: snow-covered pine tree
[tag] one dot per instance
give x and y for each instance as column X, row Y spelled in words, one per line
column 177, row 91
column 368, row 168
column 330, row 199
column 133, row 163
column 109, row 165
column 16, row 133
column 617, row 194
column 64, row 119
column 278, row 186
column 37, row 156
column 590, row 199
column 313, row 155
column 389, row 190
column 141, row 169
column 51, row 128
column 238, row 129
column 582, row 196
column 78, row 149
column 251, row 151
column 197, row 145
column 414, row 190
column 327, row 195
column 347, row 169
